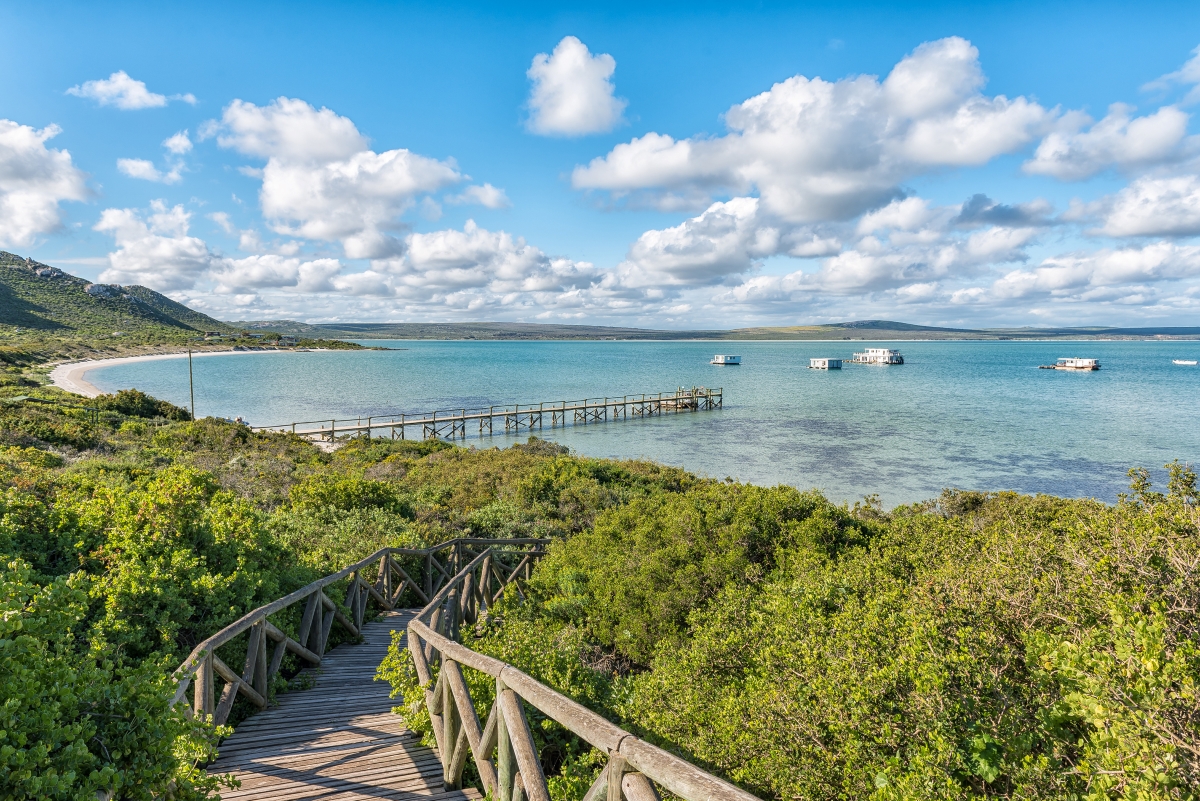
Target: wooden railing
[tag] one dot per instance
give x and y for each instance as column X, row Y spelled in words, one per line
column 502, row 748
column 203, row 668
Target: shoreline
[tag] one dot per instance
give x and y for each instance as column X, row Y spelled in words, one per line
column 71, row 376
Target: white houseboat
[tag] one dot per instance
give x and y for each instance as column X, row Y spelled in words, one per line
column 878, row 356
column 825, row 364
column 722, row 359
column 1069, row 363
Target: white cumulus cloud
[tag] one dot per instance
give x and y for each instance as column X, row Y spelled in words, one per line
column 1187, row 75
column 816, row 150
column 322, row 182
column 154, row 249
column 573, row 93
column 1119, row 140
column 482, row 195
column 124, row 92
column 1154, row 206
column 242, row 276
column 1100, row 272
column 34, row 179
column 178, row 144
column 724, row 240
column 146, row 171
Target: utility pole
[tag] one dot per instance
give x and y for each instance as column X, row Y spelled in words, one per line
column 191, row 382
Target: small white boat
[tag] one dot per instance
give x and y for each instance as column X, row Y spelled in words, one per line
column 1188, row 362
column 1070, row 363
column 722, row 359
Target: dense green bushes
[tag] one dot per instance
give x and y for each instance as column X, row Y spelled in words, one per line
column 978, row 646
column 981, row 646
column 1032, row 648
column 73, row 722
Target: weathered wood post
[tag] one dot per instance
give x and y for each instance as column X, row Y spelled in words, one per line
column 203, row 701
column 259, row 682
column 449, row 728
column 505, row 759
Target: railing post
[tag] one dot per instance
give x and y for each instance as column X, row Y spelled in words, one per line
column 505, row 758
column 259, row 679
column 451, row 614
column 616, row 771
column 203, row 692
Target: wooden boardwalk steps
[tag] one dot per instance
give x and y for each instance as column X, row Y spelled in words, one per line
column 338, row 740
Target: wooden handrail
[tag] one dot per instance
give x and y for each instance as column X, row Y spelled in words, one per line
column 513, row 773
column 202, row 666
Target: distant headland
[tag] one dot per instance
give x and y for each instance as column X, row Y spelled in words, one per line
column 860, row 329
column 60, row 314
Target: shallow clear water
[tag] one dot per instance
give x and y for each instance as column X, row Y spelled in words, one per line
column 974, row 415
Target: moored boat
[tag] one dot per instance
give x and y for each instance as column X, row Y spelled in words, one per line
column 1072, row 363
column 878, row 356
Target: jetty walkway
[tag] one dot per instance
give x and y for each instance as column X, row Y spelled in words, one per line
column 515, row 418
column 339, row 741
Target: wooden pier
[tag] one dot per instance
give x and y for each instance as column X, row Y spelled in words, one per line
column 515, row 418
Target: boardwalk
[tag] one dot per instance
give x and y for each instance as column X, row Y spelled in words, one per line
column 516, row 418
column 338, row 740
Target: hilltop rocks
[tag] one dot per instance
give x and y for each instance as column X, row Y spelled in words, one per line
column 16, row 262
column 112, row 291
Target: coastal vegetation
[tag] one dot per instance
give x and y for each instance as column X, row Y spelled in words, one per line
column 978, row 645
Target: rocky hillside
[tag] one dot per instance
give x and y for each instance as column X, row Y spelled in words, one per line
column 36, row 297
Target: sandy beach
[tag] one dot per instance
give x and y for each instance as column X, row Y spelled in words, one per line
column 72, row 376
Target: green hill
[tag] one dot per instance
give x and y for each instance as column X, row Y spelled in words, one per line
column 42, row 299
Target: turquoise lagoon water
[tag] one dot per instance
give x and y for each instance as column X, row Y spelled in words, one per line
column 974, row 415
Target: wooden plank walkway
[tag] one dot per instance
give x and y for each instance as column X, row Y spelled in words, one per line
column 338, row 740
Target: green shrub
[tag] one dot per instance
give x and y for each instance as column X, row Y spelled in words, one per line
column 135, row 403
column 633, row 580
column 75, row 726
column 180, row 559
column 325, row 492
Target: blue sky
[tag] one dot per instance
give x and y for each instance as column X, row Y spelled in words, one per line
column 448, row 176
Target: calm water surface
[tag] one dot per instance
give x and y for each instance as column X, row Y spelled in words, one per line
column 976, row 415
